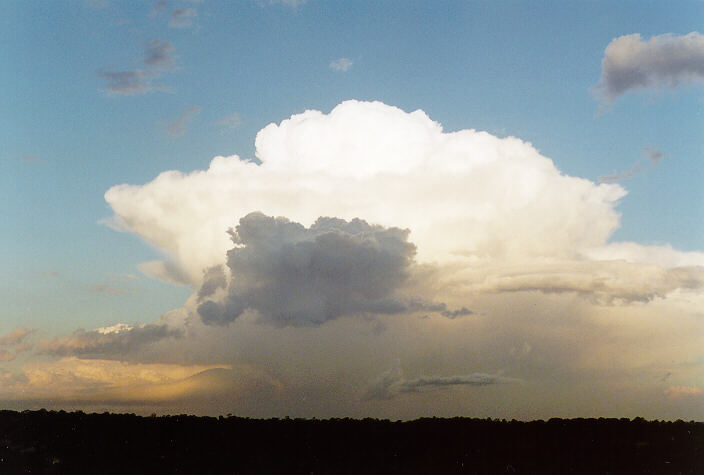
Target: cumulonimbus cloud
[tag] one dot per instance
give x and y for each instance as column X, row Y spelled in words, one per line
column 630, row 63
column 464, row 193
column 470, row 200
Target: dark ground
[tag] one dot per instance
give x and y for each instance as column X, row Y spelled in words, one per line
column 61, row 442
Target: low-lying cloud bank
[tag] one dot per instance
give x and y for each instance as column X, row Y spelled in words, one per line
column 392, row 382
column 630, row 63
column 14, row 343
column 117, row 341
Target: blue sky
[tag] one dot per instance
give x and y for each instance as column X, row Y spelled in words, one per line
column 522, row 69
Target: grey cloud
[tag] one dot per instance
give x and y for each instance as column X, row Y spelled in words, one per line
column 183, row 17
column 436, row 307
column 130, row 83
column 473, row 379
column 296, row 276
column 158, row 55
column 630, row 63
column 392, row 382
column 118, row 341
column 213, row 279
column 460, row 312
column 652, row 160
column 180, row 126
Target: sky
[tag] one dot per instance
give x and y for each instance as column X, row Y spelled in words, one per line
column 353, row 209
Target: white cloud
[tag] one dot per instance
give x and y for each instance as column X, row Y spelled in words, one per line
column 630, row 63
column 167, row 271
column 464, row 195
column 341, row 64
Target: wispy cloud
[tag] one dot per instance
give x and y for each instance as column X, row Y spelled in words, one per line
column 288, row 3
column 341, row 64
column 158, row 58
column 179, row 126
column 158, row 55
column 16, row 337
column 652, row 159
column 130, row 83
column 159, row 7
column 232, row 121
column 106, row 289
column 183, row 17
column 14, row 343
column 630, row 63
column 96, row 4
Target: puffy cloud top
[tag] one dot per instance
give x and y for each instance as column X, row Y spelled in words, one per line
column 464, row 193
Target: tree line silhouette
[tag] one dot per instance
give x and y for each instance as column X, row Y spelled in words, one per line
column 62, row 442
